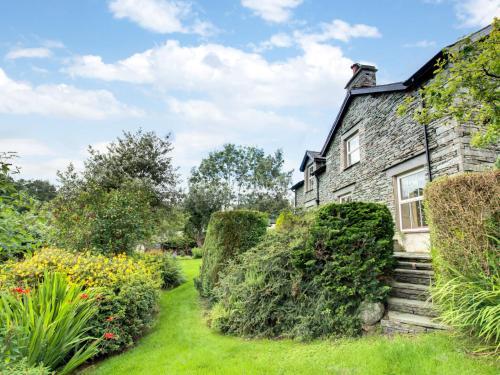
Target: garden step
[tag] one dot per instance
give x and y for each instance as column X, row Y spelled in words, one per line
column 410, row 291
column 414, row 265
column 423, row 277
column 409, row 323
column 411, row 306
column 412, row 257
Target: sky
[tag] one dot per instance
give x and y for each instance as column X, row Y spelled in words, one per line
column 266, row 73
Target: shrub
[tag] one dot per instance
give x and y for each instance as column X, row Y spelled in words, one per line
column 51, row 323
column 126, row 289
column 109, row 222
column 464, row 213
column 229, row 233
column 197, row 252
column 23, row 368
column 310, row 281
column 163, row 264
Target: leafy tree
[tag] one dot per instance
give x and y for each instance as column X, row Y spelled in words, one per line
column 236, row 177
column 121, row 197
column 465, row 88
column 22, row 222
column 141, row 155
column 41, row 190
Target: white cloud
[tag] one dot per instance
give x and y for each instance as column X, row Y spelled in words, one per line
column 338, row 30
column 314, row 78
column 19, row 53
column 59, row 100
column 280, row 40
column 277, row 11
column 161, row 16
column 477, row 13
column 46, row 169
column 420, row 44
column 25, row 147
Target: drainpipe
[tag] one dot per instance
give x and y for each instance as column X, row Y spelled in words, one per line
column 317, row 190
column 426, row 145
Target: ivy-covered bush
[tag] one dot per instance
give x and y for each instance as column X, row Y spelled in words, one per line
column 127, row 290
column 308, row 281
column 464, row 217
column 229, row 233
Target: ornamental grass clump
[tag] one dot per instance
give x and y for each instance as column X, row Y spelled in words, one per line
column 229, row 234
column 464, row 217
column 50, row 324
column 308, row 278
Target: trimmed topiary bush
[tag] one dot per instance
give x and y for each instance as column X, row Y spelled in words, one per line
column 464, row 217
column 229, row 234
column 309, row 281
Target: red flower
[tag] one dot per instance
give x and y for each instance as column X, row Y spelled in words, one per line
column 20, row 290
column 84, row 296
column 109, row 336
column 110, row 318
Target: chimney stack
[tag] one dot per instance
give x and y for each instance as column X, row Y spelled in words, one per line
column 362, row 76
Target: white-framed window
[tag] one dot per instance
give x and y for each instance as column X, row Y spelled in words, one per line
column 344, row 198
column 411, row 200
column 351, row 150
column 309, row 177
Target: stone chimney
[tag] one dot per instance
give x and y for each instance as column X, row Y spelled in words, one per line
column 362, row 76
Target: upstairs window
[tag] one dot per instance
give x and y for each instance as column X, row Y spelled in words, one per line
column 309, row 177
column 345, row 198
column 351, row 146
column 411, row 199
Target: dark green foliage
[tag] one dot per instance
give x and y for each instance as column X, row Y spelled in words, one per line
column 23, row 226
column 41, row 190
column 464, row 216
column 165, row 265
column 126, row 312
column 229, row 233
column 309, row 281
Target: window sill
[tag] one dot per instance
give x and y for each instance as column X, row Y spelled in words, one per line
column 420, row 230
column 350, row 166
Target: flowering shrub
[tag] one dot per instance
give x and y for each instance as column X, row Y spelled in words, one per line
column 85, row 268
column 126, row 289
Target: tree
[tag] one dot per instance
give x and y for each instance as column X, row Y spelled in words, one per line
column 236, row 177
column 141, row 155
column 465, row 88
column 120, row 198
column 41, row 190
column 22, row 222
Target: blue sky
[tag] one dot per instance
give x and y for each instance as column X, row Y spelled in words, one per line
column 268, row 73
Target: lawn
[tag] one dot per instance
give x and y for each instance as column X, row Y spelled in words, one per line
column 181, row 343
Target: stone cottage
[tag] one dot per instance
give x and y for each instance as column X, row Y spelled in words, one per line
column 373, row 154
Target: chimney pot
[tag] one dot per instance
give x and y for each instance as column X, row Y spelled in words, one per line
column 362, row 76
column 355, row 68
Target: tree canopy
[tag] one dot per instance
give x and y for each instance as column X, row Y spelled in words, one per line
column 465, row 88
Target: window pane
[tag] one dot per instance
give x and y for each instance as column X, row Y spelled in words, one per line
column 353, row 157
column 412, row 186
column 421, row 214
column 405, row 216
column 353, row 143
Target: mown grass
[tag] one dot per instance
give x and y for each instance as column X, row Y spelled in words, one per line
column 181, row 343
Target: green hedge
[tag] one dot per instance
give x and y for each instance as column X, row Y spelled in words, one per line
column 307, row 279
column 464, row 216
column 229, row 233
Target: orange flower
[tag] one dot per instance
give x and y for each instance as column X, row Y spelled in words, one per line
column 109, row 336
column 84, row 296
column 20, row 290
column 110, row 318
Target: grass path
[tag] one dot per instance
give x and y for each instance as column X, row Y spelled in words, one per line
column 181, row 343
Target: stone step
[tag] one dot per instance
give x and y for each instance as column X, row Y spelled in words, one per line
column 410, row 291
column 414, row 265
column 398, row 322
column 407, row 256
column 423, row 277
column 411, row 306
